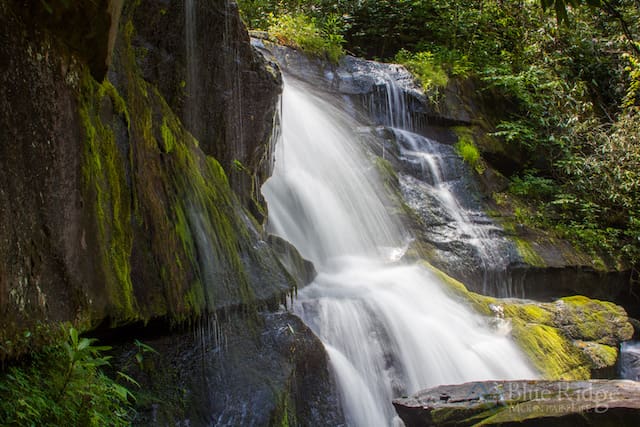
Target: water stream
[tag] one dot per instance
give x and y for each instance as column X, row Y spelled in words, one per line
column 438, row 164
column 390, row 328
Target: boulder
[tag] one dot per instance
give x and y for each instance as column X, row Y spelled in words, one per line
column 570, row 338
column 267, row 370
column 524, row 403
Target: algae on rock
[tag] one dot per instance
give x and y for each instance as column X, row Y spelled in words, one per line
column 564, row 339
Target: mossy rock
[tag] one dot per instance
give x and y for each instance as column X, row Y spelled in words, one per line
column 565, row 339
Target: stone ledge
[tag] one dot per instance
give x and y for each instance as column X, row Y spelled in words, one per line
column 522, row 402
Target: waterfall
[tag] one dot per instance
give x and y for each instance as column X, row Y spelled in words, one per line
column 466, row 225
column 629, row 363
column 389, row 328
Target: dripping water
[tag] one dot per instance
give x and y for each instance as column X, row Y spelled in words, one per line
column 193, row 89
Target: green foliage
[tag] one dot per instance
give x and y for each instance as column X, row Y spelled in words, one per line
column 65, row 385
column 631, row 97
column 425, row 67
column 302, row 32
column 467, row 149
column 533, row 186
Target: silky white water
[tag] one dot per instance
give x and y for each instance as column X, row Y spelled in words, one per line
column 390, row 329
column 426, row 152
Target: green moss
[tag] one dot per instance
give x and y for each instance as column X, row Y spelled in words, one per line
column 167, row 137
column 467, row 149
column 184, row 196
column 105, row 191
column 550, row 352
column 599, row 355
column 528, row 254
column 283, row 413
column 594, row 320
column 528, row 313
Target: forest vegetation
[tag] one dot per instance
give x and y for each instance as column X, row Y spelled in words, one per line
column 564, row 78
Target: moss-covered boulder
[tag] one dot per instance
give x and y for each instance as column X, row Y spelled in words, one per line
column 565, row 339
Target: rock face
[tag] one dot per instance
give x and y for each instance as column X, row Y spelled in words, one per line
column 271, row 372
column 224, row 93
column 524, row 403
column 111, row 212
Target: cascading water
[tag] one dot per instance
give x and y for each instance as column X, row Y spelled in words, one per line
column 467, row 225
column 389, row 328
column 630, row 360
column 192, row 105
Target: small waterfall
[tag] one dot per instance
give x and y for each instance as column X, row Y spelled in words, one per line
column 437, row 163
column 630, row 360
column 390, row 329
column 387, row 106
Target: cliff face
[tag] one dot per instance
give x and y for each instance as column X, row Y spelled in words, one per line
column 215, row 83
column 111, row 211
column 130, row 167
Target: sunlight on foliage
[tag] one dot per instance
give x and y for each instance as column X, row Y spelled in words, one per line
column 302, row 32
column 424, row 66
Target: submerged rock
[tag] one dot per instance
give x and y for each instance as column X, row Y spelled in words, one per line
column 524, row 403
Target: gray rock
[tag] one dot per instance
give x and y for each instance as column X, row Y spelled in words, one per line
column 524, row 403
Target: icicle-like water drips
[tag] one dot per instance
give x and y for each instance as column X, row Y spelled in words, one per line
column 390, row 329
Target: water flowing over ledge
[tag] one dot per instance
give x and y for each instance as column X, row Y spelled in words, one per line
column 389, row 328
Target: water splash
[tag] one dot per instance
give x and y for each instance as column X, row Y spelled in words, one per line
column 390, row 329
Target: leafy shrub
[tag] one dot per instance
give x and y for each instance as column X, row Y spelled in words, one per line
column 425, row 67
column 468, row 150
column 64, row 385
column 533, row 186
column 302, row 32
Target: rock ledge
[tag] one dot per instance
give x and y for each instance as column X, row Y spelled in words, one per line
column 522, row 402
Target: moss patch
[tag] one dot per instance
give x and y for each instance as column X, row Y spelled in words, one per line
column 528, row 254
column 467, row 149
column 564, row 339
column 106, row 193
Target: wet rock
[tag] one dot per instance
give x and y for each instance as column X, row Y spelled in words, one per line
column 233, row 372
column 524, row 403
column 111, row 212
column 570, row 338
column 302, row 270
column 222, row 89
